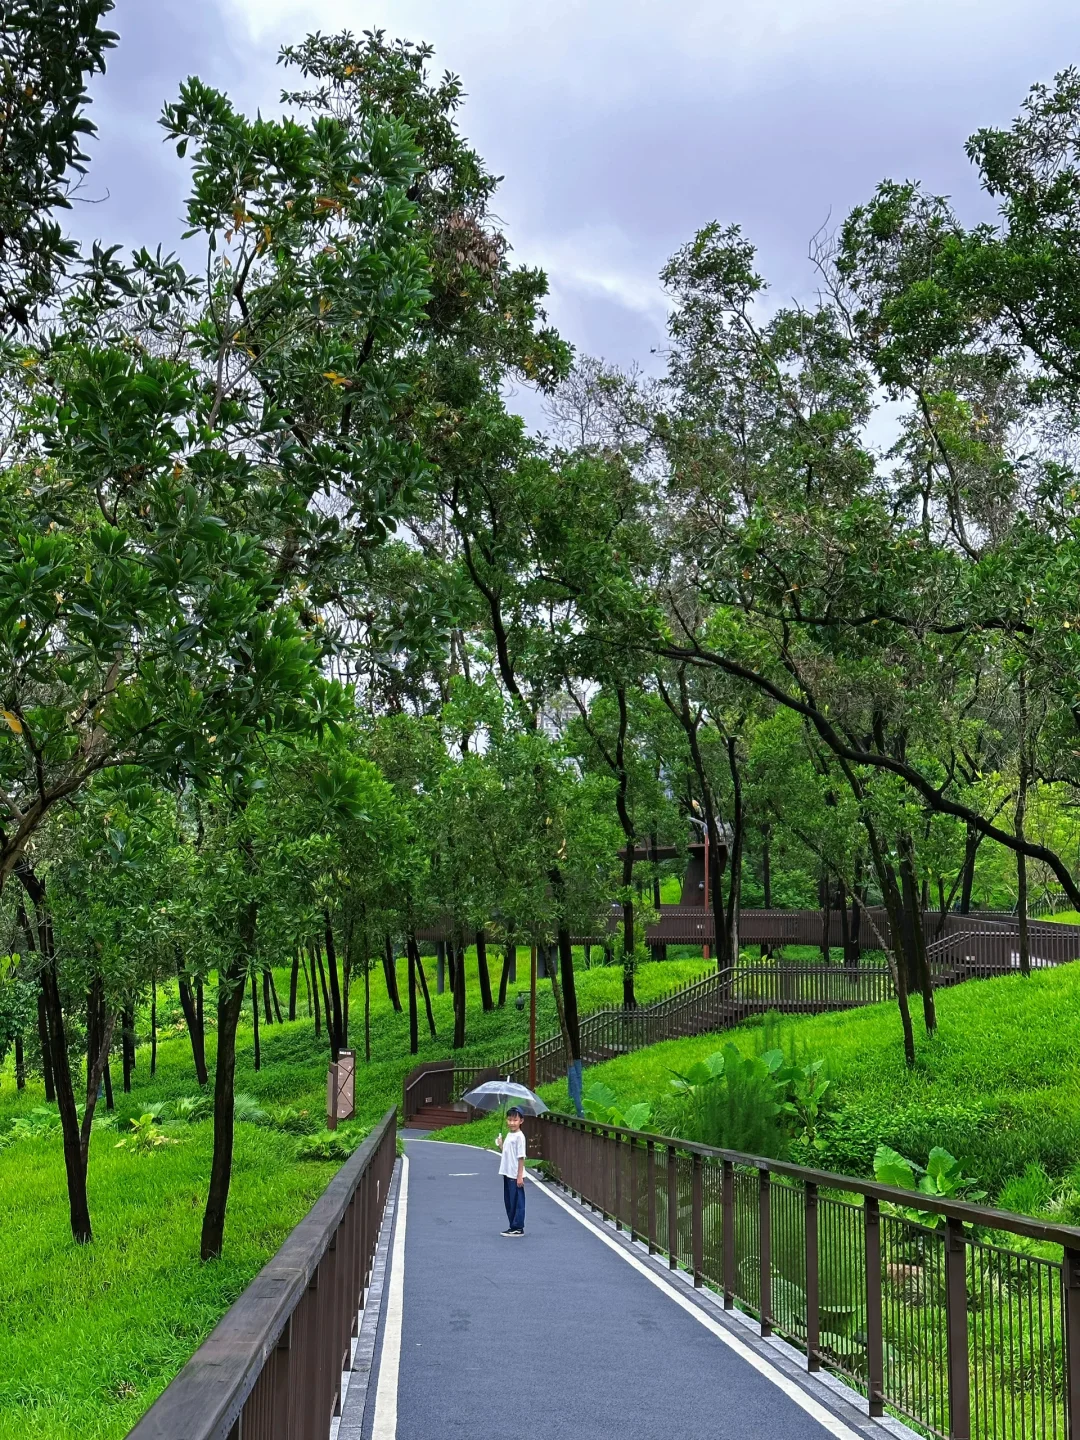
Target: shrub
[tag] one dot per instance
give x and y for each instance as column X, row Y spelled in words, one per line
column 145, row 1136
column 601, row 1104
column 191, row 1108
column 41, row 1122
column 336, row 1144
column 292, row 1120
column 247, row 1110
column 943, row 1178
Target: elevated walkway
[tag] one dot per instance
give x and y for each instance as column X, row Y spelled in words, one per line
column 569, row 1331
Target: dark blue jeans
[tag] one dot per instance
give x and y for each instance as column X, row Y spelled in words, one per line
column 514, row 1200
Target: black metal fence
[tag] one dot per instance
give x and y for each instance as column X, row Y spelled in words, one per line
column 933, row 1317
column 272, row 1367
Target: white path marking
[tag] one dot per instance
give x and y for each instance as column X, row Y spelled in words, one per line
column 825, row 1418
column 384, row 1426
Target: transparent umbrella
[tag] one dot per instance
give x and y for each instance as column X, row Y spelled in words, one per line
column 494, row 1094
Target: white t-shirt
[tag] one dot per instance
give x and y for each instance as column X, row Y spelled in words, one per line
column 513, row 1150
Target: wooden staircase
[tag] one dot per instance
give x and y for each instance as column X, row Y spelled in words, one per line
column 437, row 1116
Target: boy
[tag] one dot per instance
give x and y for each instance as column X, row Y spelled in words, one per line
column 512, row 1170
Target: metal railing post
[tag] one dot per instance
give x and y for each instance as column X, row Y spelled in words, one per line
column 650, row 1183
column 697, row 1220
column 813, row 1305
column 1070, row 1310
column 956, row 1331
column 617, row 1144
column 765, row 1249
column 672, row 1210
column 875, row 1343
column 633, row 1189
column 727, row 1210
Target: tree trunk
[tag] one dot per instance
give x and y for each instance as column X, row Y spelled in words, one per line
column 46, row 1057
column 268, row 1014
column 914, row 935
column 153, row 1027
column 570, row 1006
column 335, row 988
column 20, row 1064
column 426, row 993
column 858, row 894
column 42, row 1024
column 766, row 868
column 659, row 952
column 315, row 992
column 629, row 998
column 230, row 1001
column 971, row 850
column 825, row 898
column 735, row 858
column 194, row 1022
column 560, row 1010
column 294, row 982
column 890, row 894
column 367, row 1009
column 74, row 1164
column 346, row 982
column 414, row 1028
column 255, row 1020
column 331, row 1030
column 1021, row 873
column 1019, row 819
column 390, row 973
column 486, row 1001
column 458, row 981
column 307, row 983
column 509, row 958
column 274, row 997
column 622, row 807
column 127, row 1045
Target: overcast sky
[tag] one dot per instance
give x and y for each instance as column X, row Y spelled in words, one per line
column 622, row 126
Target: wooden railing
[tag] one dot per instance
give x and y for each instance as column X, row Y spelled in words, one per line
column 972, row 947
column 930, row 1315
column 272, row 1366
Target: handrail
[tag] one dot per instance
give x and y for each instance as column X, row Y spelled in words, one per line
column 284, row 1340
column 1067, row 1236
column 943, row 1324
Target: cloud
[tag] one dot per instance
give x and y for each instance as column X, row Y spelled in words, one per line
column 599, row 261
column 622, row 126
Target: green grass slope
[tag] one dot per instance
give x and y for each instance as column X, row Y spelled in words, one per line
column 998, row 1085
column 89, row 1336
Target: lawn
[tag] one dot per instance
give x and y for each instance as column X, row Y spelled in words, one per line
column 998, row 1085
column 89, row 1336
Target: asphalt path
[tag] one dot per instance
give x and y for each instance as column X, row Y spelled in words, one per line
column 556, row 1334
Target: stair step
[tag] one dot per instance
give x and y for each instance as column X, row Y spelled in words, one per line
column 435, row 1117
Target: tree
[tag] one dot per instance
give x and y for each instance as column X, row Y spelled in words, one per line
column 49, row 49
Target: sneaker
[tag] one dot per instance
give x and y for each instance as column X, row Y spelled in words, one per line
column 511, row 1232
